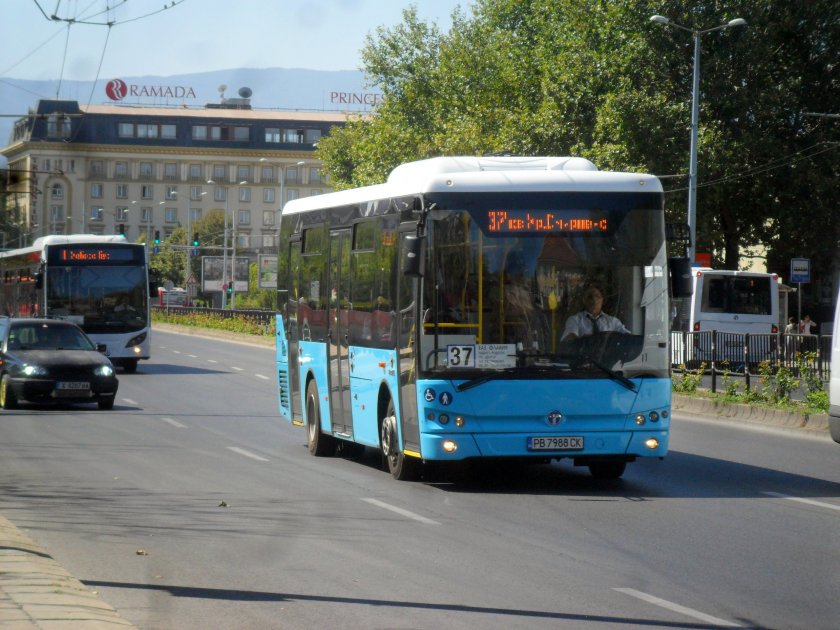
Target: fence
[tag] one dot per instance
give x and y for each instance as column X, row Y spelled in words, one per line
column 263, row 317
column 744, row 352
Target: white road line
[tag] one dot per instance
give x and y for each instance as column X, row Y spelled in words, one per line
column 177, row 351
column 192, row 356
column 238, row 369
column 212, row 361
column 401, row 511
column 830, row 506
column 242, row 451
column 265, row 378
column 130, row 402
column 173, row 422
column 688, row 612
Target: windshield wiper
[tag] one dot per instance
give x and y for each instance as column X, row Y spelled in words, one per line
column 619, row 378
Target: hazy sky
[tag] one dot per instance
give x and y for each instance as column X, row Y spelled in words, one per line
column 194, row 35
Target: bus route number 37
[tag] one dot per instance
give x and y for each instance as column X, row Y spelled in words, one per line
column 460, row 356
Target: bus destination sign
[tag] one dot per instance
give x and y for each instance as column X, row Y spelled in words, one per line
column 546, row 222
column 93, row 254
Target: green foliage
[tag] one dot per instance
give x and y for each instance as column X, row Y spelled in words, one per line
column 599, row 80
column 689, row 379
column 255, row 297
column 239, row 324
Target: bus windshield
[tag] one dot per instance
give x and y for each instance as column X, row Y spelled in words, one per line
column 506, row 289
column 100, row 299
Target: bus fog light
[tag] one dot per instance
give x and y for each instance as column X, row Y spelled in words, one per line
column 459, row 421
column 652, row 443
column 450, row 446
column 137, row 350
column 444, row 418
column 640, row 419
column 653, row 416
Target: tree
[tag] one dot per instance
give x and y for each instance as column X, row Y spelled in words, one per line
column 599, row 80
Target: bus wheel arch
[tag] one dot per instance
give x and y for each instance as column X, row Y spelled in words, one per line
column 401, row 467
column 320, row 444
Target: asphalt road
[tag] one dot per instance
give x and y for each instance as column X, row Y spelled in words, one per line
column 191, row 505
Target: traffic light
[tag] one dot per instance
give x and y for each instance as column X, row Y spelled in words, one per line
column 157, row 237
column 122, row 229
column 195, row 239
column 230, row 288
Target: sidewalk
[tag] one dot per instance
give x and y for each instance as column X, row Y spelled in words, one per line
column 36, row 592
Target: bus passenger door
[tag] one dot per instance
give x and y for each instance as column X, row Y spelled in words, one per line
column 407, row 301
column 338, row 332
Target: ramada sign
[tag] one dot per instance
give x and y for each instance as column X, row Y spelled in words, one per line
column 117, row 90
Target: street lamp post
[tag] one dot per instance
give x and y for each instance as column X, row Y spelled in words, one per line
column 695, row 114
column 233, row 254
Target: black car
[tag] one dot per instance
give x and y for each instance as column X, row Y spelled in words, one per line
column 52, row 360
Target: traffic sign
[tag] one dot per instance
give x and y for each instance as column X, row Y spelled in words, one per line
column 800, row 270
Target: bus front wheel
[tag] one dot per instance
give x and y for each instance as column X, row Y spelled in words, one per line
column 402, row 468
column 320, row 444
column 130, row 366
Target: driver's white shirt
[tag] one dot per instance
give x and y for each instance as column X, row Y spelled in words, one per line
column 584, row 323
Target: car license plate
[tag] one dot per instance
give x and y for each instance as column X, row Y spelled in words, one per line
column 555, row 443
column 73, row 386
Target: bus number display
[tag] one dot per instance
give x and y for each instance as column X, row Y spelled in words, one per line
column 545, row 222
column 88, row 254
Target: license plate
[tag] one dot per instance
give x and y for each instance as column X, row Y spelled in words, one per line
column 555, row 443
column 72, row 386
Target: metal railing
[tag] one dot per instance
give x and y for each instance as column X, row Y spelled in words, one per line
column 744, row 353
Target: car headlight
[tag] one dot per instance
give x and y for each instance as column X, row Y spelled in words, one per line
column 104, row 370
column 34, row 370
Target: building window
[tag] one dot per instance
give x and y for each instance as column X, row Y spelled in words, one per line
column 96, row 191
column 56, row 213
column 170, row 215
column 219, row 172
column 170, row 170
column 147, row 131
column 219, row 193
column 168, row 132
column 195, row 193
column 195, row 214
column 267, row 174
column 242, row 241
column 314, row 176
column 244, row 217
column 294, row 136
column 125, row 130
column 244, row 194
column 292, row 194
column 199, row 132
column 121, row 170
column 268, row 240
column 215, row 133
column 122, row 213
column 146, row 170
column 122, row 191
column 291, row 176
column 171, row 193
column 97, row 168
column 273, row 135
column 268, row 217
column 56, row 192
column 146, row 214
column 96, row 213
column 196, row 171
column 268, row 195
column 313, row 136
column 243, row 173
column 58, row 125
column 241, row 134
column 147, row 191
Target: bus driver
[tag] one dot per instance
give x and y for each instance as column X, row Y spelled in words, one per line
column 592, row 319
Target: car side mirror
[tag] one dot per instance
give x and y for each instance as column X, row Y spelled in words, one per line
column 101, row 347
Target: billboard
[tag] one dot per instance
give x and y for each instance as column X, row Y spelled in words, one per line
column 267, row 271
column 213, row 277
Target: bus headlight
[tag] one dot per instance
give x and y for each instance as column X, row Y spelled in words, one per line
column 450, row 446
column 652, row 443
column 136, row 341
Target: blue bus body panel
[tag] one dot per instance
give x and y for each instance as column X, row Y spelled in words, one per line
column 371, row 370
column 284, row 393
column 500, row 415
column 314, row 361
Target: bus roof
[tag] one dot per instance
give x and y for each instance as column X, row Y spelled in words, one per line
column 486, row 174
column 65, row 239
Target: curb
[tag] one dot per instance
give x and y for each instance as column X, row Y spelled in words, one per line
column 37, row 592
column 750, row 414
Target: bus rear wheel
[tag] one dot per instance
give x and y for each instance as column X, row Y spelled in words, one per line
column 320, row 444
column 607, row 470
column 402, row 468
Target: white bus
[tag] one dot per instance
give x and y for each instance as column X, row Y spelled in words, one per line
column 99, row 282
column 729, row 304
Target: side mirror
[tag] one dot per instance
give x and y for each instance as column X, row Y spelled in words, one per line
column 681, row 277
column 101, row 347
column 39, row 279
column 414, row 256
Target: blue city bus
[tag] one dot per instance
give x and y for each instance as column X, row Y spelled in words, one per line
column 426, row 316
column 100, row 282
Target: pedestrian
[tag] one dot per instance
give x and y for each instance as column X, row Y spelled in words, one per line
column 806, row 326
column 791, row 330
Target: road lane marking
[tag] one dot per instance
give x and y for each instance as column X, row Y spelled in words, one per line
column 401, row 511
column 801, row 500
column 192, row 356
column 688, row 612
column 265, row 378
column 238, row 369
column 245, row 453
column 130, row 402
column 177, row 351
column 212, row 361
column 173, row 422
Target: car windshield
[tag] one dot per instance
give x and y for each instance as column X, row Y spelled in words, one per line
column 48, row 336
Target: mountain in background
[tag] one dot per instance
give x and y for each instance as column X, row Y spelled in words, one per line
column 271, row 88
